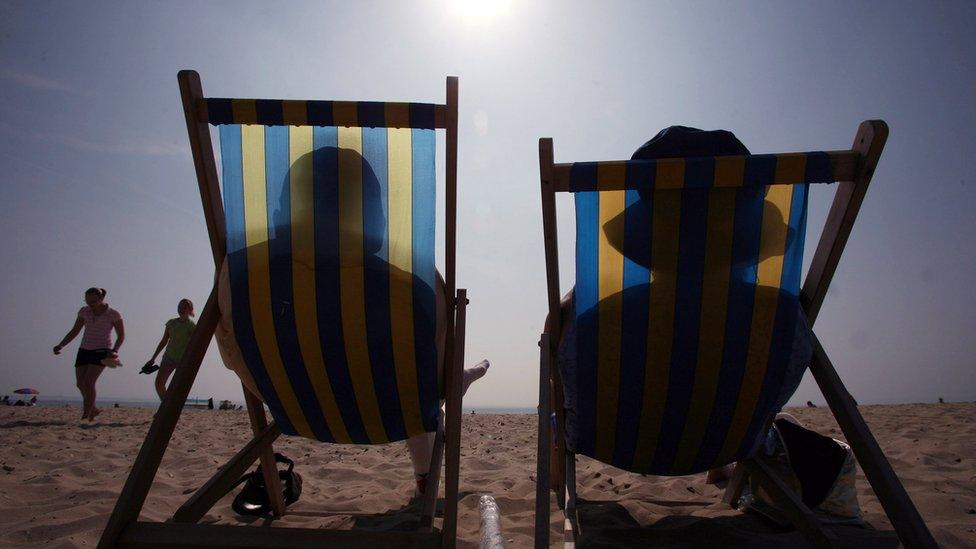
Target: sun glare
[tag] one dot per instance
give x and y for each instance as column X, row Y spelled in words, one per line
column 480, row 10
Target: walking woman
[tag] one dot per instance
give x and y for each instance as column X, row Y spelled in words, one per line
column 96, row 350
column 175, row 338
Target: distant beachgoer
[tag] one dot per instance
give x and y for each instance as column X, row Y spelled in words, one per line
column 811, row 404
column 176, row 336
column 33, row 401
column 98, row 320
column 6, row 400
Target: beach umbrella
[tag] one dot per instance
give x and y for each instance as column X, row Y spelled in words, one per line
column 27, row 391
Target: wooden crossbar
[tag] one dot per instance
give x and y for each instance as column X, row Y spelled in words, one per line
column 154, row 535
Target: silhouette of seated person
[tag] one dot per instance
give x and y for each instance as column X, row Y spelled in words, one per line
column 678, row 141
column 355, row 249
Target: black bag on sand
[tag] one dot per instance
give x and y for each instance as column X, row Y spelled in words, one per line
column 252, row 500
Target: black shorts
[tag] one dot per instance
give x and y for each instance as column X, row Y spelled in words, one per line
column 91, row 357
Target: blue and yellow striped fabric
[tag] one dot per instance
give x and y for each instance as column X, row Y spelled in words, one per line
column 756, row 170
column 330, row 247
column 279, row 112
column 686, row 303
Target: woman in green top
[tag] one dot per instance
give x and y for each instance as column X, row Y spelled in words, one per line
column 176, row 335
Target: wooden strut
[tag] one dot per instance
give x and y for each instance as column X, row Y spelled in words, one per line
column 554, row 329
column 269, row 467
column 207, row 495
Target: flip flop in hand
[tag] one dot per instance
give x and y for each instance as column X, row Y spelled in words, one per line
column 149, row 368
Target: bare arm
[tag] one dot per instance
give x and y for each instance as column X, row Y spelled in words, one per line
column 72, row 333
column 119, row 335
column 162, row 343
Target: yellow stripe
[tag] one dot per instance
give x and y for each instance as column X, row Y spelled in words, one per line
column 729, row 171
column 303, row 276
column 711, row 333
column 259, row 278
column 772, row 246
column 610, row 175
column 790, row 169
column 397, row 115
column 610, row 314
column 670, row 173
column 664, row 266
column 294, row 113
column 345, row 112
column 351, row 280
column 245, row 112
column 400, row 169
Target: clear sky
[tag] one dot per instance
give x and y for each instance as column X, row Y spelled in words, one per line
column 98, row 189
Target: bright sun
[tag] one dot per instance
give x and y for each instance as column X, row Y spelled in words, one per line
column 480, row 10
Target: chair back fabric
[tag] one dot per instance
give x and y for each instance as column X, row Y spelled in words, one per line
column 330, row 251
column 686, row 304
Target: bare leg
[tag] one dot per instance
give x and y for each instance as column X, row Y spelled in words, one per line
column 83, row 389
column 91, row 376
column 166, row 368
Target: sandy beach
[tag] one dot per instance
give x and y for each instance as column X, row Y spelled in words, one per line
column 60, row 478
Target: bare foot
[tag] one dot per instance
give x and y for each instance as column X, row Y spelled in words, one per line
column 473, row 374
column 95, row 412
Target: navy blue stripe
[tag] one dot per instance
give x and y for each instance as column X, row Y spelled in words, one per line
column 278, row 200
column 633, row 333
column 220, row 111
column 747, row 228
column 818, row 168
column 371, row 114
column 319, row 113
column 582, row 177
column 586, row 309
column 377, row 280
column 422, row 116
column 760, row 170
column 325, row 169
column 687, row 319
column 424, row 299
column 269, row 112
column 233, row 184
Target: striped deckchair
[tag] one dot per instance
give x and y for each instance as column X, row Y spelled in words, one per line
column 323, row 238
column 686, row 302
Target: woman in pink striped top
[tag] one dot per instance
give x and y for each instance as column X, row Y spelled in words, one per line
column 96, row 350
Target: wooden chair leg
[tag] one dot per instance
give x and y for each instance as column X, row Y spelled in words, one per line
column 429, row 506
column 733, row 491
column 452, row 427
column 542, row 487
column 204, row 499
column 137, row 486
column 269, row 467
column 894, row 499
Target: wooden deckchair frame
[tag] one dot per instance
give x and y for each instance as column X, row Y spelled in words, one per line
column 124, row 528
column 853, row 170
